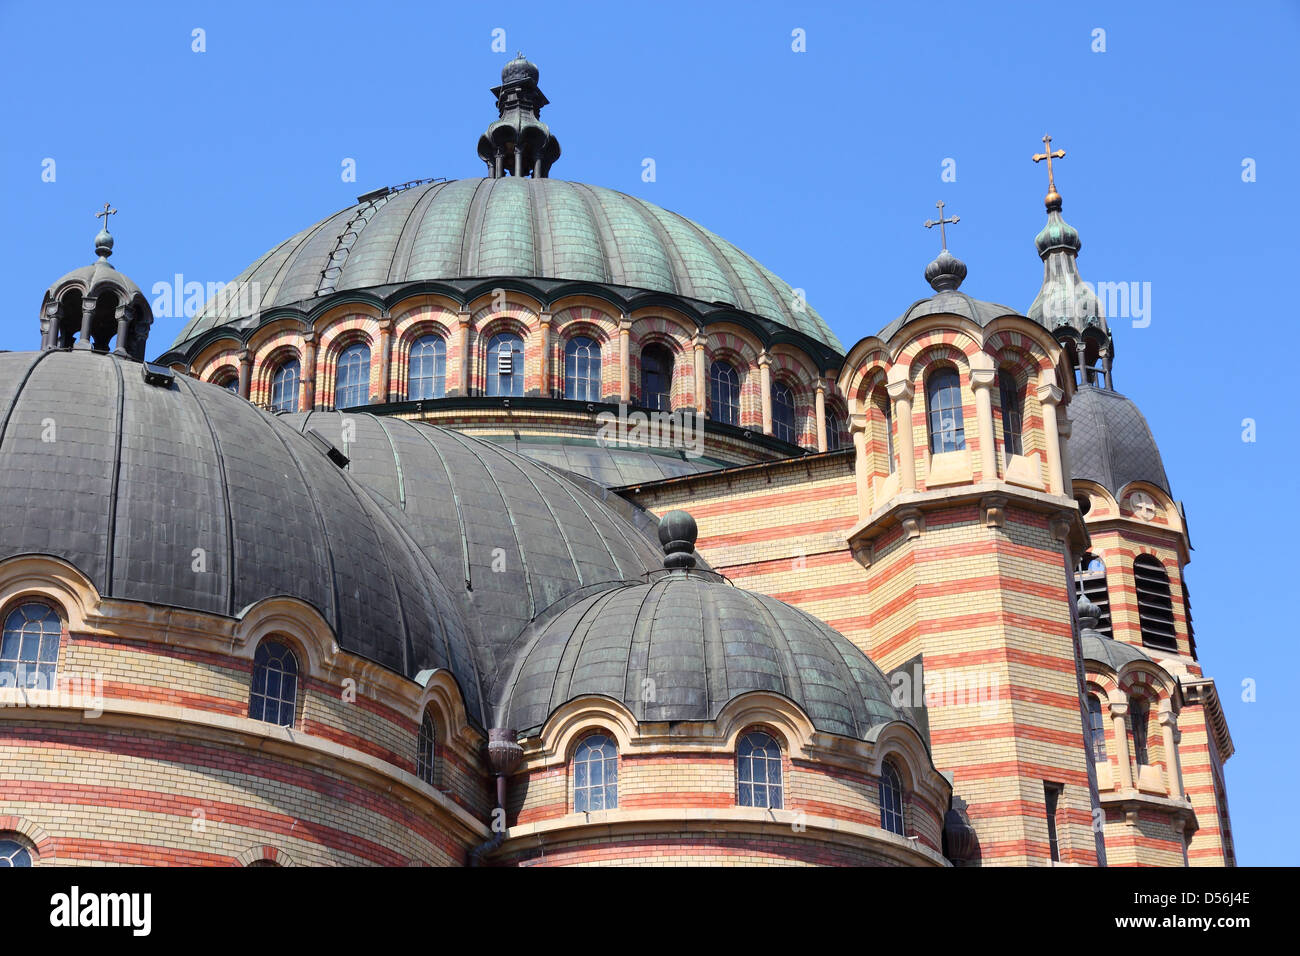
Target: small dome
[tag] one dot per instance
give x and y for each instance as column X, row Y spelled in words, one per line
column 519, row 70
column 1111, row 442
column 1057, row 234
column 946, row 272
column 681, row 647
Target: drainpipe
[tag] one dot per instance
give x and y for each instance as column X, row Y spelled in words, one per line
column 504, row 754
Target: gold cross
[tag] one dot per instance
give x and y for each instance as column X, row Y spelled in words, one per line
column 1049, row 156
column 105, row 214
column 940, row 222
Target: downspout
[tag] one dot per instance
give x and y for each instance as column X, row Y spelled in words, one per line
column 504, row 754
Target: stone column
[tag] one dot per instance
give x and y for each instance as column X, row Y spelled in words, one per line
column 821, row 414
column 624, row 359
column 462, row 334
column 385, row 356
column 765, row 383
column 1049, row 396
column 1119, row 723
column 1169, row 733
column 544, row 322
column 87, row 313
column 858, row 425
column 120, row 315
column 1081, row 348
column 701, row 379
column 983, row 376
column 245, row 373
column 900, row 390
column 1064, row 428
column 307, row 387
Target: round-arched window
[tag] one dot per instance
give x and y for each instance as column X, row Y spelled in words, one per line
column 284, row 387
column 275, row 684
column 891, row 798
column 656, row 378
column 595, row 774
column 943, row 410
column 13, row 853
column 427, row 369
column 758, row 771
column 352, row 382
column 29, row 648
column 783, row 412
column 425, row 768
column 582, row 369
column 505, row 368
column 724, row 393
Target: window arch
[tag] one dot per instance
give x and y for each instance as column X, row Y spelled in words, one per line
column 284, row 387
column 1012, row 402
column 505, row 369
column 758, row 771
column 13, row 853
column 1097, row 728
column 886, row 409
column 783, row 416
column 582, row 369
column 891, row 798
column 426, row 369
column 657, row 378
column 943, row 411
column 274, row 692
column 228, row 379
column 1155, row 603
column 426, row 751
column 595, row 774
column 724, row 393
column 352, row 381
column 29, row 648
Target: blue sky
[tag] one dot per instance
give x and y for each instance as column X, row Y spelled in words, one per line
column 822, row 164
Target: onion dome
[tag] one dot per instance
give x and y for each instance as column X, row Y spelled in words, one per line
column 519, row 70
column 92, row 306
column 681, row 645
column 1064, row 302
column 945, row 275
column 1111, row 442
column 946, row 272
column 178, row 493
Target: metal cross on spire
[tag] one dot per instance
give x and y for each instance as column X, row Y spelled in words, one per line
column 1048, row 155
column 105, row 214
column 941, row 222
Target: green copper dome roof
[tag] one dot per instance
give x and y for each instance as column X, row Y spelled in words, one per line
column 511, row 227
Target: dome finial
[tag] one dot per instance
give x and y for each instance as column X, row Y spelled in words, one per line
column 946, row 272
column 519, row 143
column 677, row 534
column 104, row 240
column 1053, row 200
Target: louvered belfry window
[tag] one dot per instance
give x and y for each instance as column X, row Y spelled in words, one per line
column 1090, row 579
column 1155, row 605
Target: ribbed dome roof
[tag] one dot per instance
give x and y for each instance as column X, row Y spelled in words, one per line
column 1111, row 442
column 138, row 476
column 702, row 643
column 1113, row 653
column 509, row 536
column 513, row 227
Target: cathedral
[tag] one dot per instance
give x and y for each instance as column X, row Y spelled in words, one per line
column 512, row 521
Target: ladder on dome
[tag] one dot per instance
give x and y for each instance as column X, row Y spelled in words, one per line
column 368, row 204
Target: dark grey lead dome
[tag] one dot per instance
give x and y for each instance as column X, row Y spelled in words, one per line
column 125, row 480
column 1111, row 442
column 702, row 643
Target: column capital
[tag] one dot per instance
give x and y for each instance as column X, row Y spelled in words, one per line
column 1118, row 708
column 464, row 318
column 1050, row 394
column 821, row 385
column 903, row 390
column 1167, row 717
column 545, row 318
column 764, row 359
column 983, row 377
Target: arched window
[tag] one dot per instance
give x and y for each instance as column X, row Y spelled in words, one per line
column 424, row 755
column 1090, row 579
column 1155, row 604
column 505, row 369
column 1139, row 715
column 891, row 798
column 834, row 432
column 13, row 853
column 724, row 393
column 595, row 775
column 1012, row 399
column 886, row 409
column 783, row 412
column 352, row 383
column 582, row 369
column 284, row 387
column 227, row 380
column 758, row 771
column 275, row 684
column 29, row 649
column 426, row 370
column 1097, row 728
column 943, row 409
column 657, row 378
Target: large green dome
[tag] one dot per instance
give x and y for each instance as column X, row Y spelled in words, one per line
column 511, row 227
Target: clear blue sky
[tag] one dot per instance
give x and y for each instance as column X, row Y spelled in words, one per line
column 821, row 164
